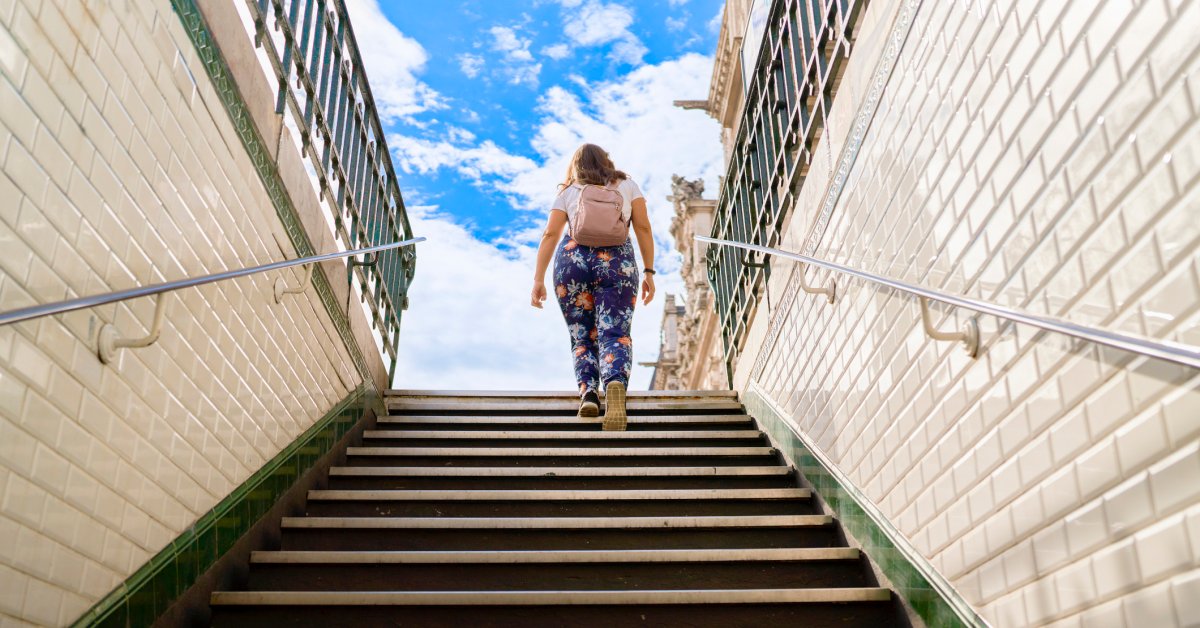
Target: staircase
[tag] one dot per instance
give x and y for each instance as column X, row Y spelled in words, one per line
column 493, row 509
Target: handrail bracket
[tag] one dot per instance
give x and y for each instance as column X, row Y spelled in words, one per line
column 107, row 342
column 968, row 335
column 830, row 291
column 281, row 287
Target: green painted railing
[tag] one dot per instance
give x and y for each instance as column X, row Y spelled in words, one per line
column 804, row 45
column 322, row 86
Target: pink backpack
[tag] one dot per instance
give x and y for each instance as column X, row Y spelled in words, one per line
column 598, row 220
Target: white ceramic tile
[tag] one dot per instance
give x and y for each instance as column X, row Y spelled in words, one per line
column 1107, row 615
column 1185, row 598
column 1150, row 607
column 101, row 201
column 1036, row 460
column 1163, row 549
column 1141, row 441
column 1060, row 493
column 1076, row 586
column 1128, row 506
column 1098, row 468
column 1041, row 601
column 1109, row 407
column 1020, row 567
column 1115, row 568
column 1173, row 480
column 1010, row 610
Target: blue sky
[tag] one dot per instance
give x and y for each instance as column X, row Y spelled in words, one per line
column 483, row 102
column 460, row 35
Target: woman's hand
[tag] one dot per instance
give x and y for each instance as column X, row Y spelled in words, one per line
column 539, row 295
column 647, row 289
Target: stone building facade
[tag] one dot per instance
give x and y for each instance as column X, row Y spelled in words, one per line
column 690, row 354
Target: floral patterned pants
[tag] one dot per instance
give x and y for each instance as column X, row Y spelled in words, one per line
column 597, row 290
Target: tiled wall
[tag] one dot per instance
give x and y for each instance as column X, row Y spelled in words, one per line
column 121, row 167
column 1044, row 156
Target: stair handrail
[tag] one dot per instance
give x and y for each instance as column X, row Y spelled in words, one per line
column 108, row 342
column 1186, row 355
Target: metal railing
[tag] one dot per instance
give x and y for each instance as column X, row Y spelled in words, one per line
column 108, row 342
column 787, row 103
column 322, row 86
column 1179, row 354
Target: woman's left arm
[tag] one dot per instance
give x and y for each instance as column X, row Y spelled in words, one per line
column 645, row 239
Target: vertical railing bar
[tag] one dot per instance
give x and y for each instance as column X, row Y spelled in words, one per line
column 288, row 42
column 310, row 101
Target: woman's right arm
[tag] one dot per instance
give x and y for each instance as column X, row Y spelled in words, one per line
column 550, row 237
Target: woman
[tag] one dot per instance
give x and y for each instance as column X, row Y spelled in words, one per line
column 596, row 286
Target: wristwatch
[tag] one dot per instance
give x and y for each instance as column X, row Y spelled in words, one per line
column 649, row 271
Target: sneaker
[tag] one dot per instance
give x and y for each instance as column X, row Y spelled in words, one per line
column 589, row 405
column 614, row 401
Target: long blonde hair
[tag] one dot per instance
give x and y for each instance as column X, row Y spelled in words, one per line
column 591, row 165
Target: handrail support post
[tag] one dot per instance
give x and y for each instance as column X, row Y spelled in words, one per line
column 829, row 291
column 968, row 335
column 281, row 287
column 107, row 341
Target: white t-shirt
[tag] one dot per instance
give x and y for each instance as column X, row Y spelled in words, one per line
column 568, row 198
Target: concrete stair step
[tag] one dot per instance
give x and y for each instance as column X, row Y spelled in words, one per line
column 505, row 509
column 573, row 570
column 524, row 395
column 559, row 478
column 561, row 456
column 526, row 452
column 562, row 438
column 635, row 406
column 557, row 556
column 558, row 503
column 557, row 523
column 552, row 598
column 491, row 422
column 592, row 435
column 382, row 534
column 560, row 496
column 515, row 472
column 815, row 608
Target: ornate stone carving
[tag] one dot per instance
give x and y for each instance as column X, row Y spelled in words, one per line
column 689, row 331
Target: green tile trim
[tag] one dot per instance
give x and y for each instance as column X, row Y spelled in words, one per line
column 239, row 115
column 147, row 594
column 929, row 594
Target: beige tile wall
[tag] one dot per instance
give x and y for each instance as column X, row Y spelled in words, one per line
column 1045, row 156
column 119, row 169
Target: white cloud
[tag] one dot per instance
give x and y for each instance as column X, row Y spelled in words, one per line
column 714, row 24
column 470, row 325
column 557, row 51
column 423, row 156
column 675, row 24
column 520, row 68
column 525, row 74
column 634, row 119
column 507, row 41
column 470, row 64
column 677, row 3
column 393, row 61
column 595, row 23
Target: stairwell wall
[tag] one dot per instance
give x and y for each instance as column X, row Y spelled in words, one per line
column 1044, row 155
column 121, row 167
